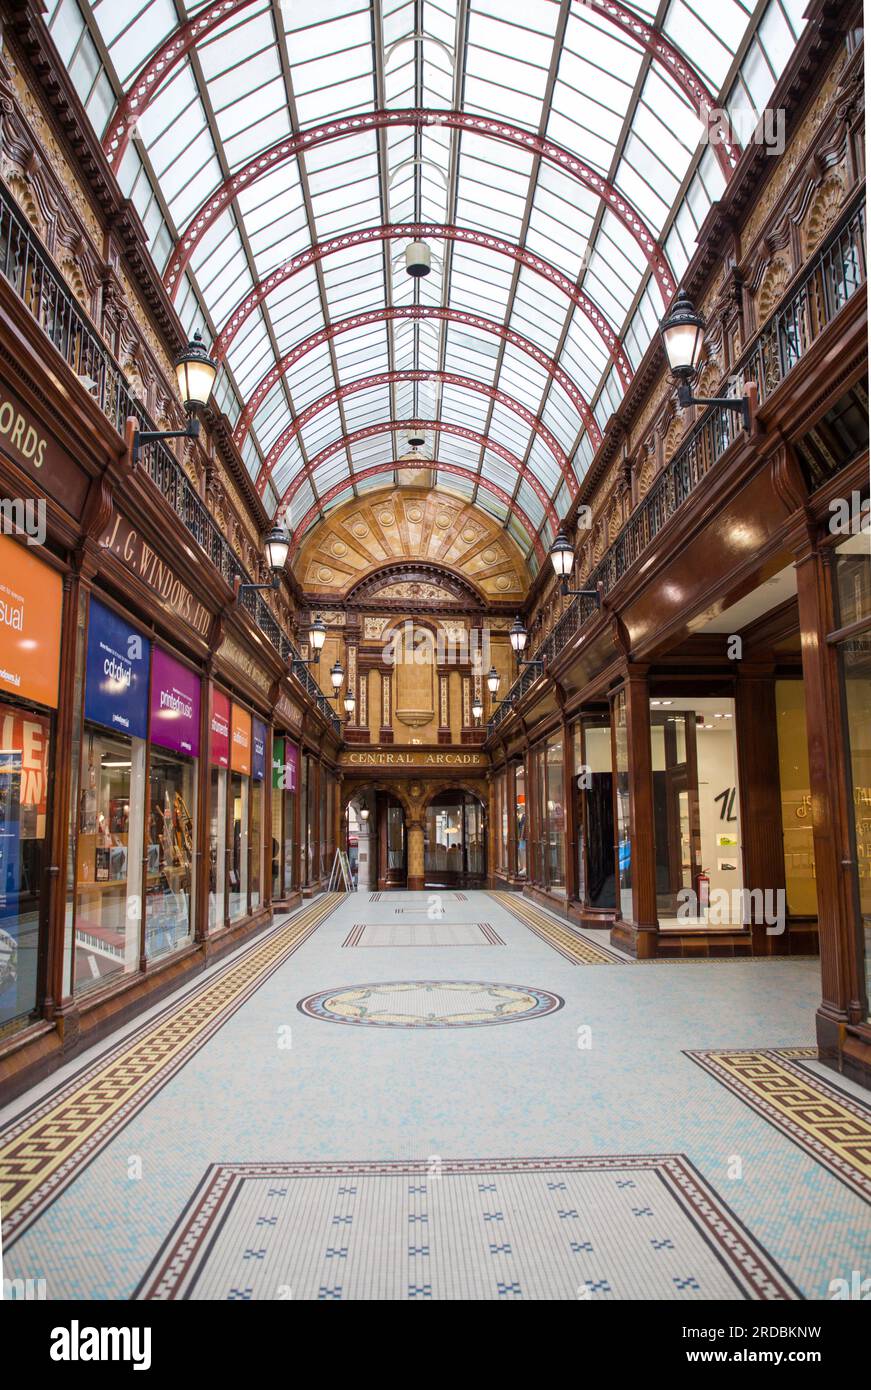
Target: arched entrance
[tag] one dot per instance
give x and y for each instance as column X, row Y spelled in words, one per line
column 455, row 840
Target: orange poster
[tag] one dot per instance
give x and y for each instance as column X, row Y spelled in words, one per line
column 30, row 622
column 240, row 741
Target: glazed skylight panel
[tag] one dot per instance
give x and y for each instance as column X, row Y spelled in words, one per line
column 561, row 220
column 275, row 219
column 288, row 466
column 708, row 34
column 655, row 160
column 598, row 69
column 520, row 377
column 480, row 280
column 132, row 33
column 506, row 62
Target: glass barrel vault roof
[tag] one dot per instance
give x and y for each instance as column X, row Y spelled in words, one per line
column 555, row 155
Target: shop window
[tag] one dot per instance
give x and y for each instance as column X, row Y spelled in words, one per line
column 258, row 779
column 240, row 790
column 520, row 817
column 169, row 893
column 219, row 759
column 277, row 808
column 556, row 819
column 110, row 819
column 622, row 806
column 175, row 735
column 853, row 586
column 291, row 818
column 25, row 760
column 795, row 799
column 596, row 885
column 697, row 825
column 305, row 823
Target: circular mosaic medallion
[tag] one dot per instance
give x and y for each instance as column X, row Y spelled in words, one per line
column 470, row 534
column 386, row 518
column 324, row 574
column 414, row 513
column 360, row 530
column 430, row 1004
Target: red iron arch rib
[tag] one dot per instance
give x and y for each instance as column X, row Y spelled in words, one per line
column 396, row 426
column 486, row 126
column 425, row 231
column 367, row 383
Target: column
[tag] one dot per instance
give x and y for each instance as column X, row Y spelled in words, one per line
column 571, row 828
column 414, row 831
column 444, row 729
column 759, row 791
column 365, row 870
column 386, row 730
column 828, row 762
column 643, row 924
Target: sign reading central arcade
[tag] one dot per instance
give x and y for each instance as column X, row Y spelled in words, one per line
column 411, row 757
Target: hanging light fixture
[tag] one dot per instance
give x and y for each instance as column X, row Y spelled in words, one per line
column 477, row 707
column 518, row 636
column 337, row 675
column 195, row 372
column 317, row 636
column 682, row 332
column 364, row 814
column 350, row 701
column 494, row 680
column 418, row 259
column 562, row 557
column 276, row 546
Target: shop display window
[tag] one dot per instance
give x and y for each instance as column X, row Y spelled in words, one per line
column 25, row 760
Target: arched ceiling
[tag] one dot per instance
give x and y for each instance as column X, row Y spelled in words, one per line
column 385, row 530
column 557, row 156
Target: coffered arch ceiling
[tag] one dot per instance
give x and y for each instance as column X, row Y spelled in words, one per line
column 555, row 154
column 418, row 527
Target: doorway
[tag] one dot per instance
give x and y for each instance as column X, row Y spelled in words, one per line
column 392, row 842
column 675, row 807
column 455, row 853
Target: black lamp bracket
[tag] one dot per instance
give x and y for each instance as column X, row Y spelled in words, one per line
column 741, row 404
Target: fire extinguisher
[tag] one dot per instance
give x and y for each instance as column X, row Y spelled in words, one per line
column 704, row 892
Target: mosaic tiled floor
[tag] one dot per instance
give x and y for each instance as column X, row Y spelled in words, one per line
column 233, row 1081
column 47, row 1146
column 423, row 934
column 570, row 944
column 831, row 1126
column 623, row 1227
column 430, row 1004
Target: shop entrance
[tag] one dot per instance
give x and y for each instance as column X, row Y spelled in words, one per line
column 454, row 843
column 392, row 842
column 675, row 807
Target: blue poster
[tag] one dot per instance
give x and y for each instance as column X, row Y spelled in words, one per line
column 116, row 678
column 258, row 759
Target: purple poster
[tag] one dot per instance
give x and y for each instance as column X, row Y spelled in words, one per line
column 291, row 762
column 175, row 705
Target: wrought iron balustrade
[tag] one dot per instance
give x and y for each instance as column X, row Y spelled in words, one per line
column 825, row 286
column 29, row 269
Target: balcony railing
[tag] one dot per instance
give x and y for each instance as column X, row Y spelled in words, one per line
column 829, row 281
column 28, row 268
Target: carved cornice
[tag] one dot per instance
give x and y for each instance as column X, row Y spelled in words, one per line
column 25, row 21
